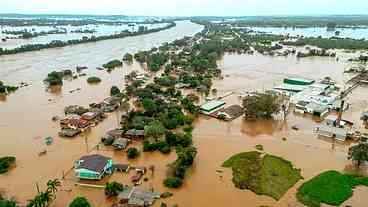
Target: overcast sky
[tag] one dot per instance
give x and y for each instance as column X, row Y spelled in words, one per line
column 187, row 7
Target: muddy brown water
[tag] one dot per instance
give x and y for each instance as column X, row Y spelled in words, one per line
column 25, row 119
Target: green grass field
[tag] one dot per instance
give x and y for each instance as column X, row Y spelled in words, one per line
column 330, row 187
column 264, row 175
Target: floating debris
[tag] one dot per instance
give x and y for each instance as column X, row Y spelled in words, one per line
column 43, row 152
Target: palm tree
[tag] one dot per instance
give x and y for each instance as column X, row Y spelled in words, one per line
column 45, row 198
column 52, row 186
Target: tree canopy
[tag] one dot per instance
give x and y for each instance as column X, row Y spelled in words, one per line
column 261, row 106
column 358, row 153
column 80, row 202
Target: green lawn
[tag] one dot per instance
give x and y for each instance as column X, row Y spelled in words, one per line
column 264, row 175
column 330, row 187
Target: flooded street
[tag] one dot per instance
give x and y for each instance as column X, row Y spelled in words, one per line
column 25, row 119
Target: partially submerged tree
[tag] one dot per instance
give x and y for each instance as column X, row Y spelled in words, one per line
column 93, row 80
column 6, row 163
column 128, row 57
column 4, row 202
column 113, row 188
column 358, row 153
column 44, row 198
column 132, row 153
column 114, row 91
column 80, row 202
column 54, row 78
column 261, row 106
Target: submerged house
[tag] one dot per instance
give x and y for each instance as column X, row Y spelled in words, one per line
column 93, row 167
column 212, row 106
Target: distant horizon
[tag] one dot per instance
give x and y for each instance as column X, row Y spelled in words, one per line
column 228, row 16
column 187, row 8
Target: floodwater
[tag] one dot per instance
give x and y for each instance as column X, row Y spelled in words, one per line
column 25, row 118
column 101, row 30
column 355, row 33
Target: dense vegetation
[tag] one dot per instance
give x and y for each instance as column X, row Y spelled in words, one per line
column 261, row 106
column 59, row 43
column 6, row 163
column 267, row 175
column 331, row 187
column 330, row 22
column 330, row 43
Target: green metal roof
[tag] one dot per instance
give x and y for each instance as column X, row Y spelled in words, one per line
column 209, row 106
column 298, row 81
column 291, row 87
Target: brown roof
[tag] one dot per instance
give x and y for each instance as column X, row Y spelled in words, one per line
column 93, row 162
column 234, row 111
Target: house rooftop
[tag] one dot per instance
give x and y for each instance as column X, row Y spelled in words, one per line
column 93, row 162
